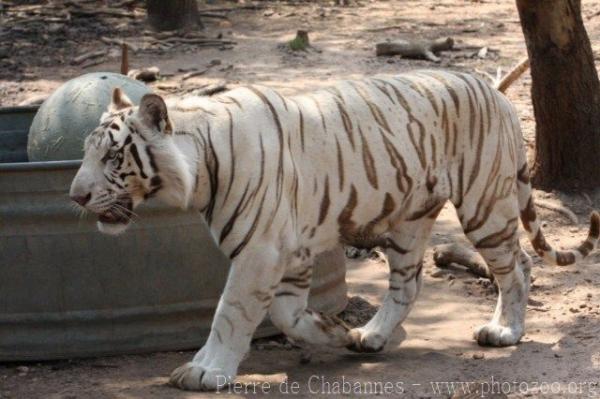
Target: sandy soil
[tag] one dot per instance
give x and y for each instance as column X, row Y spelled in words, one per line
column 560, row 346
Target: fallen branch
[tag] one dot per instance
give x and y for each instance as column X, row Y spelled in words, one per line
column 446, row 255
column 168, row 86
column 83, row 12
column 476, row 49
column 35, row 100
column 77, row 3
column 193, row 74
column 198, row 41
column 162, row 35
column 230, row 9
column 87, row 56
column 93, row 62
column 22, row 8
column 119, row 42
column 212, row 15
column 512, row 76
column 415, row 48
column 125, row 4
column 176, row 34
column 384, row 28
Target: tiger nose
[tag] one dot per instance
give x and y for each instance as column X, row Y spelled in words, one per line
column 82, row 199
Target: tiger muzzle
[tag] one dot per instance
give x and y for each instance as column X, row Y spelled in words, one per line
column 119, row 213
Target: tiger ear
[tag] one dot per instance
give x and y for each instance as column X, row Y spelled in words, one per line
column 119, row 101
column 153, row 112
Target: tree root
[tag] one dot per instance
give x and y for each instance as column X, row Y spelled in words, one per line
column 420, row 49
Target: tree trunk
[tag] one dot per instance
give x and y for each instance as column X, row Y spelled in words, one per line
column 172, row 14
column 565, row 93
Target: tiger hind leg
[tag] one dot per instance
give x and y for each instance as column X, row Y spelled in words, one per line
column 508, row 323
column 405, row 251
column 497, row 241
column 290, row 314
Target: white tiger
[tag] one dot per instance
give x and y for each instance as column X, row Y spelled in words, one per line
column 281, row 179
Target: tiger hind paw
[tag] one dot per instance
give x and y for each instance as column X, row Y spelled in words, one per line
column 365, row 341
column 494, row 334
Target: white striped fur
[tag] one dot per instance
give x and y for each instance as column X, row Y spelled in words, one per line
column 282, row 179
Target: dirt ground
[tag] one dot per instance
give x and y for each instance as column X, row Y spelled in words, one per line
column 560, row 353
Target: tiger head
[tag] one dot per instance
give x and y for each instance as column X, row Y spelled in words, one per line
column 131, row 156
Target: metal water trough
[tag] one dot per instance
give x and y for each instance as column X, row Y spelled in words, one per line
column 68, row 291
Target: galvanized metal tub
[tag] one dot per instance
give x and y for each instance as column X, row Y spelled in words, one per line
column 68, row 291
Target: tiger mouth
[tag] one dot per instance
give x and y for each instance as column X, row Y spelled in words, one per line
column 119, row 213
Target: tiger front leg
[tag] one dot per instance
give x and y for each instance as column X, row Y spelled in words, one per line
column 243, row 305
column 404, row 286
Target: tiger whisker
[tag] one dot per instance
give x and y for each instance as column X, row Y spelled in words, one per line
column 79, row 210
column 122, row 211
column 118, row 212
column 101, row 205
column 127, row 210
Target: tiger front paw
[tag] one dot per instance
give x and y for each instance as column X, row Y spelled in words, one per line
column 193, row 376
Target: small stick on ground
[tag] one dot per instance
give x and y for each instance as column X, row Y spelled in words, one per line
column 447, row 254
column 415, row 48
column 193, row 74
